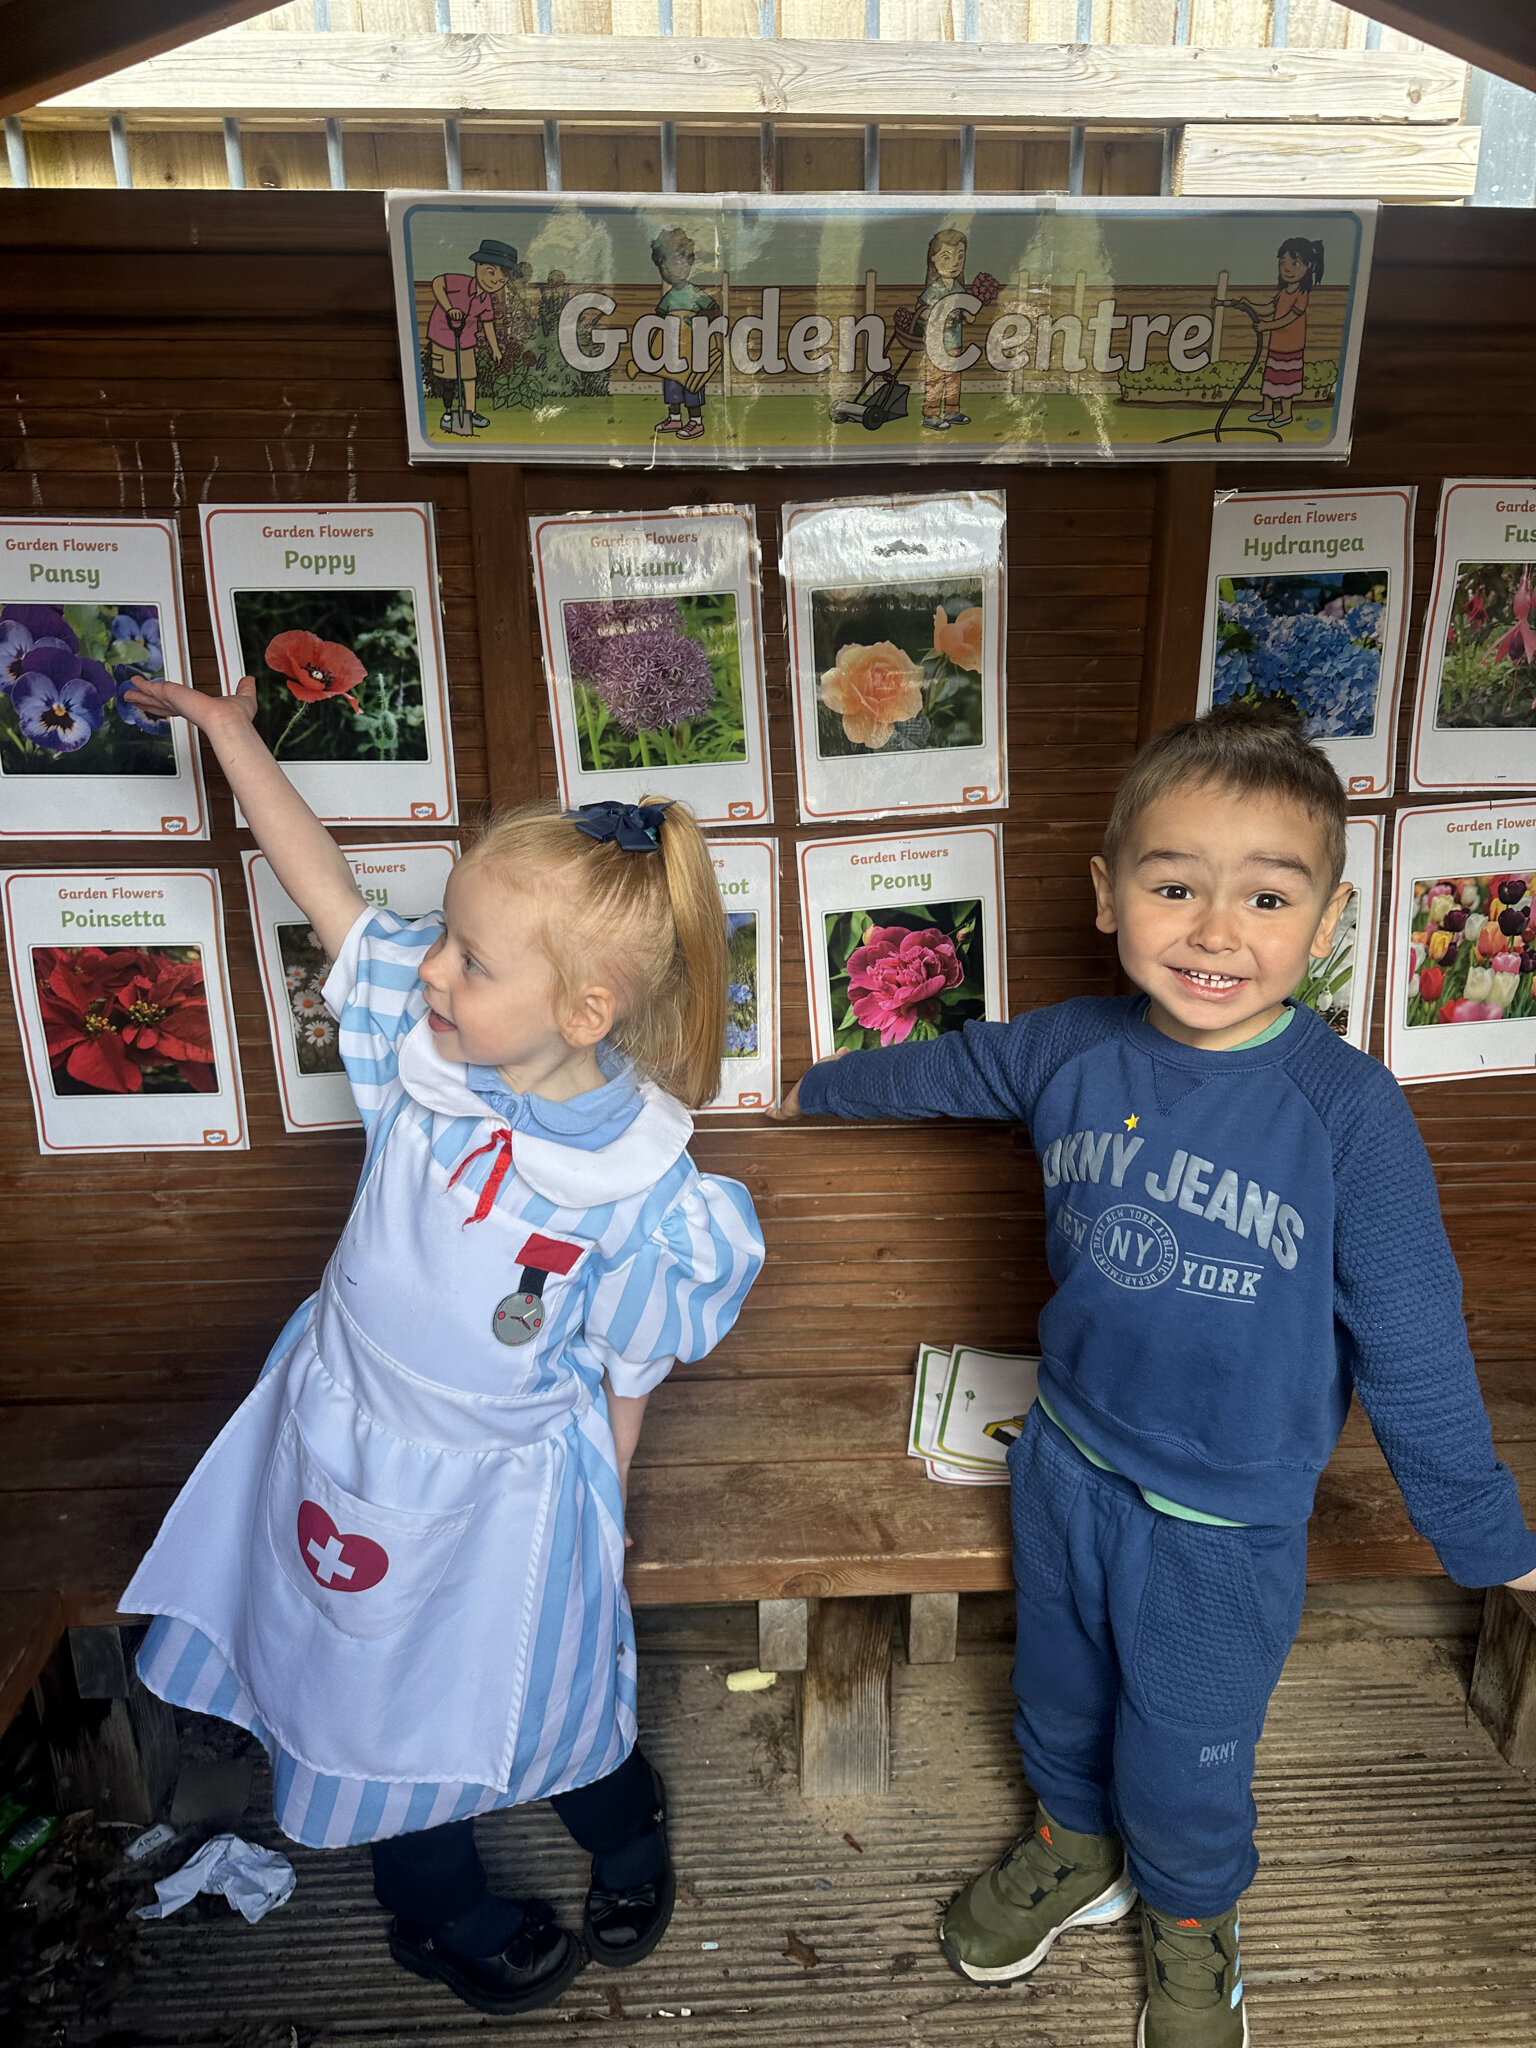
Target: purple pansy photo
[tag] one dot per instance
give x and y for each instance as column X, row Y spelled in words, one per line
column 64, row 674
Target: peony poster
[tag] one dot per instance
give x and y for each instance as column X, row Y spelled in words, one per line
column 896, row 630
column 1340, row 987
column 121, row 989
column 747, row 871
column 313, row 1089
column 903, row 936
column 1307, row 610
column 653, row 652
column 334, row 611
column 87, row 609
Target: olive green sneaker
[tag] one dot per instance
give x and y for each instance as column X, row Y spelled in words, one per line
column 1194, row 1983
column 1002, row 1925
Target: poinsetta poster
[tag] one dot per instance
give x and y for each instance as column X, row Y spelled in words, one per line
column 747, row 871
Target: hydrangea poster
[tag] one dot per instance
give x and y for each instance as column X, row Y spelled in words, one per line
column 653, row 655
column 88, row 608
column 122, row 992
column 334, row 610
column 748, row 873
column 1307, row 610
column 903, row 936
column 896, row 611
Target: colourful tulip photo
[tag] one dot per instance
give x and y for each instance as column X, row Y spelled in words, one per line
column 1478, row 961
column 1488, row 677
column 338, row 673
column 899, row 668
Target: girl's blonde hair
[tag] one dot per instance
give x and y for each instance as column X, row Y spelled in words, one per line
column 651, row 925
column 946, row 238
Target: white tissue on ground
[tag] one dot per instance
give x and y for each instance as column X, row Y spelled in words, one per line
column 253, row 1880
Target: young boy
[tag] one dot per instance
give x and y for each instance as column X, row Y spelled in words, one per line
column 673, row 254
column 1242, row 1227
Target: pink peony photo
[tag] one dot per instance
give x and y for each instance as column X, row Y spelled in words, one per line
column 907, row 974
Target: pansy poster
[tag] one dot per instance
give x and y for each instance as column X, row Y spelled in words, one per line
column 747, row 871
column 88, row 609
column 334, row 610
column 121, row 990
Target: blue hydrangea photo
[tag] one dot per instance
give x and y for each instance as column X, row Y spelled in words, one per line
column 1310, row 644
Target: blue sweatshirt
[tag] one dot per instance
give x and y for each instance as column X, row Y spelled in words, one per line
column 1237, row 1239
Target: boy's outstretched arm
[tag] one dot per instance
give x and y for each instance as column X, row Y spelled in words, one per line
column 984, row 1070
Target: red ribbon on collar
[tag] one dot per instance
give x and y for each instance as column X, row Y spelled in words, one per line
column 500, row 1142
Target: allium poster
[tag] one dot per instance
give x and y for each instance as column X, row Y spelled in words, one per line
column 653, row 655
column 87, row 609
column 334, row 610
column 896, row 630
column 122, row 993
column 1341, row 984
column 903, row 936
column 1307, row 610
column 747, row 871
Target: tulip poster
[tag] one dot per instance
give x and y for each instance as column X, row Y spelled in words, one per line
column 747, row 871
column 312, row 1083
column 896, row 610
column 1462, row 976
column 903, row 936
column 653, row 653
column 1341, row 984
column 121, row 990
column 87, row 609
column 334, row 611
column 1306, row 610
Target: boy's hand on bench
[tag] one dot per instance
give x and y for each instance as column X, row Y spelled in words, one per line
column 787, row 1109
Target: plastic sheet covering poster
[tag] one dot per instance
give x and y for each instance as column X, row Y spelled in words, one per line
column 1475, row 721
column 121, row 990
column 653, row 652
column 896, row 653
column 1307, row 609
column 903, row 935
column 719, row 331
column 1461, row 991
column 87, row 608
column 312, row 1083
column 334, row 610
column 748, row 873
column 1341, row 985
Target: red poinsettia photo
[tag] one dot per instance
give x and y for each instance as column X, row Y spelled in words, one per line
column 125, row 1020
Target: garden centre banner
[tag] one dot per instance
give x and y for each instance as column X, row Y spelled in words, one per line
column 1341, row 986
column 719, row 330
column 747, row 871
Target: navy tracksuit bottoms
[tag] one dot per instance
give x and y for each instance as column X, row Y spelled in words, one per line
column 1148, row 1648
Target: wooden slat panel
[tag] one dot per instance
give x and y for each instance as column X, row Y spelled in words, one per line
column 1333, row 160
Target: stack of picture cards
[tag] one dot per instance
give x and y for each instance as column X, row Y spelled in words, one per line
column 312, row 1082
column 896, row 646
column 122, row 991
column 88, row 608
column 968, row 1407
column 1340, row 984
column 747, row 871
column 334, row 610
column 653, row 654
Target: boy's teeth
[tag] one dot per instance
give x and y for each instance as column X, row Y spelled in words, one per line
column 1211, row 980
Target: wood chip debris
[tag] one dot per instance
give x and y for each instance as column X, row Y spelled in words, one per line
column 750, row 1681
column 800, row 1951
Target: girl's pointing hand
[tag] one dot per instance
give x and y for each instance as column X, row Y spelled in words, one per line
column 176, row 700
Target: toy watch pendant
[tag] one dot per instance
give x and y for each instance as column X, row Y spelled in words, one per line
column 519, row 1317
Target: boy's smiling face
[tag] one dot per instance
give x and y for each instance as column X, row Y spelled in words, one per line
column 1218, row 900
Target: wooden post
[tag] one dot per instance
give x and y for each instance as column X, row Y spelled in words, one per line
column 113, row 1745
column 511, row 679
column 783, row 1635
column 1504, row 1676
column 933, row 1621
column 845, row 1700
column 1181, row 550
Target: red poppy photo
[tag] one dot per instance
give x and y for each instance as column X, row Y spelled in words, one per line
column 338, row 673
column 125, row 1020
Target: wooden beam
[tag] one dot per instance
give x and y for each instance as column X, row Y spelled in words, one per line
column 1176, row 602
column 1503, row 1693
column 845, row 1701
column 511, row 676
column 1333, row 160
column 69, row 43
column 1495, row 35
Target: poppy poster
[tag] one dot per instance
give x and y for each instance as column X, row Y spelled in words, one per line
column 903, row 936
column 747, row 871
column 653, row 654
column 313, row 1090
column 896, row 610
column 1340, row 984
column 121, row 990
column 334, row 611
column 88, row 609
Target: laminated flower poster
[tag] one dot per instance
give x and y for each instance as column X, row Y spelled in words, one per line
column 121, row 990
column 903, row 936
column 313, row 1089
column 1461, row 978
column 1475, row 721
column 1340, row 986
column 896, row 610
column 1307, row 609
column 747, row 871
column 653, row 653
column 334, row 610
column 88, row 609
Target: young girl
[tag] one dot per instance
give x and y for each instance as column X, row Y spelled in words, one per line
column 945, row 280
column 1301, row 267
column 401, row 1564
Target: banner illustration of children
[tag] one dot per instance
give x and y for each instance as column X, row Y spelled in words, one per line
column 674, row 254
column 1300, row 271
column 463, row 320
column 939, row 302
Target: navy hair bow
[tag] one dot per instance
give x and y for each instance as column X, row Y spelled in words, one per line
column 636, row 827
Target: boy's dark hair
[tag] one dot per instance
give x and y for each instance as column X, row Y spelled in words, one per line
column 1245, row 750
column 672, row 242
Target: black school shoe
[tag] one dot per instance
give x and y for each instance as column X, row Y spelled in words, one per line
column 532, row 1970
column 622, row 1927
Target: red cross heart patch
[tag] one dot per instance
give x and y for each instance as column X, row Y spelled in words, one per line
column 341, row 1563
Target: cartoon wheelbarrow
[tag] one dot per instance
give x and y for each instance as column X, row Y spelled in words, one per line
column 883, row 396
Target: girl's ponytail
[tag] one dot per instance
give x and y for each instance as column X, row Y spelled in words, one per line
column 698, row 917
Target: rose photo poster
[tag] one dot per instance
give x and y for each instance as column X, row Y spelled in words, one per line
column 122, row 993
column 747, row 871
column 903, row 935
column 1341, row 986
column 896, row 629
column 1307, row 609
column 1475, row 721
column 334, row 610
column 312, row 1084
column 1461, row 980
column 87, row 609
column 653, row 653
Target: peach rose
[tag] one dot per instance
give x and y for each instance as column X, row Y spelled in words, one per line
column 873, row 689
column 959, row 641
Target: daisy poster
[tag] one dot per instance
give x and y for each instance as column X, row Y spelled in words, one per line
column 312, row 1083
column 896, row 628
column 903, row 936
column 1307, row 609
column 334, row 611
column 121, row 990
column 1341, row 985
column 747, row 871
column 653, row 653
column 87, row 609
